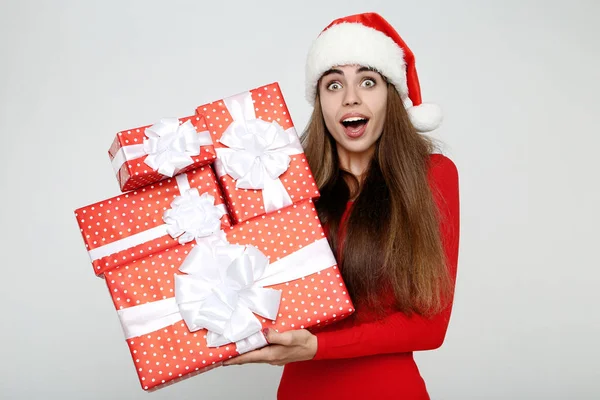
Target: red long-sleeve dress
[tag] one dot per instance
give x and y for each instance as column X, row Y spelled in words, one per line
column 373, row 358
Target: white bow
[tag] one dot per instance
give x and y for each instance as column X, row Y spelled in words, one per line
column 170, row 145
column 257, row 151
column 219, row 292
column 193, row 216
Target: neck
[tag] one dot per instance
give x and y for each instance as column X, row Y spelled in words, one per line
column 355, row 163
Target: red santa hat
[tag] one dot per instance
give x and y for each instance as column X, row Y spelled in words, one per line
column 369, row 40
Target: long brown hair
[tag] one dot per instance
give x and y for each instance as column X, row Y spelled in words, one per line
column 392, row 237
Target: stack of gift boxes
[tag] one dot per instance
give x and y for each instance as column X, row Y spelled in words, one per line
column 213, row 238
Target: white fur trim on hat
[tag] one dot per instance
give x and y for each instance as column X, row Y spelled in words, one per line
column 354, row 43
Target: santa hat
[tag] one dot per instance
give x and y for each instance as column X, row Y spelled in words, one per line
column 369, row 40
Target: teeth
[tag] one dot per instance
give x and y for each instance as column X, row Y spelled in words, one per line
column 354, row 119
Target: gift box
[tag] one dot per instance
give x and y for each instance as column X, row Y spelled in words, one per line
column 260, row 161
column 149, row 154
column 159, row 216
column 188, row 308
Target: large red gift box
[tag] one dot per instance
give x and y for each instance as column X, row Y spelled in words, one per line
column 179, row 324
column 260, row 161
column 148, row 154
column 133, row 225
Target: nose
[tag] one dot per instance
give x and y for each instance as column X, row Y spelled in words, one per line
column 351, row 97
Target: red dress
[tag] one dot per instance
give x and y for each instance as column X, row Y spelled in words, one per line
column 374, row 358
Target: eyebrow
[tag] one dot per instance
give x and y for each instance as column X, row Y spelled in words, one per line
column 366, row 69
column 332, row 71
column 339, row 71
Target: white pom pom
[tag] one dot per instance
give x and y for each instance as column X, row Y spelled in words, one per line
column 425, row 117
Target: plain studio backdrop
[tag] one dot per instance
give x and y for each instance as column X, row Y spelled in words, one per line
column 518, row 82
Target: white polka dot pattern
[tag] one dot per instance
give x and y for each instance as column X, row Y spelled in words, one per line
column 174, row 351
column 298, row 180
column 136, row 173
column 125, row 215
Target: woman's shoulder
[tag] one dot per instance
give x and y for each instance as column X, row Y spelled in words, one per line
column 443, row 176
column 442, row 170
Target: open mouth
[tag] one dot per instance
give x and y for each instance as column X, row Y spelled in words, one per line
column 355, row 126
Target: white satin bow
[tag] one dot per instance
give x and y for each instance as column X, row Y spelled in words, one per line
column 219, row 292
column 193, row 216
column 257, row 151
column 171, row 145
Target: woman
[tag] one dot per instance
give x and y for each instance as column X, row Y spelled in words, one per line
column 390, row 208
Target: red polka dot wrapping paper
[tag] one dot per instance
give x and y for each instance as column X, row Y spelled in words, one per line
column 106, row 222
column 173, row 352
column 135, row 173
column 270, row 106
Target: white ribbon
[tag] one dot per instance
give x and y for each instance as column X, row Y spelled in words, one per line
column 257, row 152
column 199, row 211
column 169, row 146
column 219, row 292
column 224, row 281
column 193, row 216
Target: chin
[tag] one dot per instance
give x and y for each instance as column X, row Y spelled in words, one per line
column 357, row 148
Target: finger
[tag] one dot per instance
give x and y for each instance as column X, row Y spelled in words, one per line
column 274, row 337
column 255, row 356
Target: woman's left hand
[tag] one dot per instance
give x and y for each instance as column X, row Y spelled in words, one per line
column 286, row 347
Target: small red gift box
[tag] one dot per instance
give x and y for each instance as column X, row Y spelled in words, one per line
column 260, row 161
column 149, row 154
column 168, row 213
column 186, row 309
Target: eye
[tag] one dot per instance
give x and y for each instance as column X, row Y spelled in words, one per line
column 334, row 86
column 368, row 82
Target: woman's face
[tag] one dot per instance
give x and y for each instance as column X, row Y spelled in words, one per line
column 353, row 100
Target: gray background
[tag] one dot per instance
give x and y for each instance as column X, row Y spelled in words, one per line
column 518, row 81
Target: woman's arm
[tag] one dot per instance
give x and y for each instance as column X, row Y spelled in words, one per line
column 394, row 333
column 397, row 332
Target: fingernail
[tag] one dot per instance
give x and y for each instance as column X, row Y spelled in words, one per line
column 265, row 331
